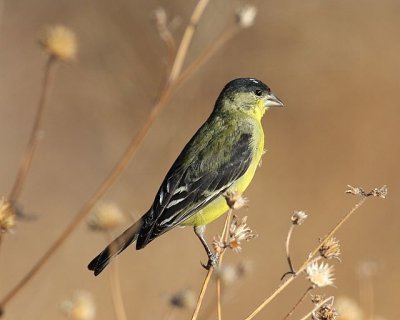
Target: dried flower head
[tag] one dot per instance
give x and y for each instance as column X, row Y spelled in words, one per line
column 60, row 42
column 317, row 298
column 105, row 217
column 348, row 309
column 298, row 217
column 7, row 215
column 376, row 192
column 218, row 244
column 80, row 307
column 330, row 249
column 325, row 312
column 246, row 16
column 236, row 200
column 184, row 299
column 239, row 231
column 320, row 275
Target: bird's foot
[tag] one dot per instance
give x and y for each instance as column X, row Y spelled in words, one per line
column 213, row 259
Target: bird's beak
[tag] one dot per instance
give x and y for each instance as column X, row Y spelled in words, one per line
column 272, row 101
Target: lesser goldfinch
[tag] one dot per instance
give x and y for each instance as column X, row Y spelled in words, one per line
column 220, row 159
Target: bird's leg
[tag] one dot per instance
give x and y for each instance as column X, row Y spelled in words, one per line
column 212, row 257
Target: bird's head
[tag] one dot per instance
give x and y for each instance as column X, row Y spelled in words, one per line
column 247, row 95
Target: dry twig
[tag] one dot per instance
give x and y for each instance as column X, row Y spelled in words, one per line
column 377, row 192
column 35, row 133
column 210, row 270
column 125, row 158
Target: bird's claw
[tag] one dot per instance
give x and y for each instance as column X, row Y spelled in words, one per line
column 213, row 259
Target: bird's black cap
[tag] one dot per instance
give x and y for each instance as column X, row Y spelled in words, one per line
column 245, row 85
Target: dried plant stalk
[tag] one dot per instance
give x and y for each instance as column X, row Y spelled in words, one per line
column 35, row 133
column 210, row 270
column 376, row 193
column 125, row 158
column 225, row 235
column 308, row 315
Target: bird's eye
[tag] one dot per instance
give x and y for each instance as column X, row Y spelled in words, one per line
column 258, row 93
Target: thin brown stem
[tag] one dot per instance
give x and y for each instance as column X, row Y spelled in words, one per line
column 115, row 286
column 289, row 260
column 284, row 284
column 35, row 133
column 186, row 40
column 119, row 167
column 224, row 237
column 204, row 56
column 304, row 295
column 308, row 315
column 210, row 270
column 202, row 293
column 165, row 35
column 88, row 206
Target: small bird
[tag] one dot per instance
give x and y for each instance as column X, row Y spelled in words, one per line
column 220, row 159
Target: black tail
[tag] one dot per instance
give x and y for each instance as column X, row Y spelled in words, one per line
column 116, row 247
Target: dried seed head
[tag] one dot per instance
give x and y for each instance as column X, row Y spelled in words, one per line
column 218, row 244
column 184, row 299
column 105, row 217
column 60, row 42
column 380, row 192
column 320, row 275
column 246, row 16
column 348, row 309
column 330, row 249
column 236, row 200
column 376, row 192
column 298, row 217
column 7, row 216
column 317, row 298
column 80, row 307
column 325, row 312
column 239, row 231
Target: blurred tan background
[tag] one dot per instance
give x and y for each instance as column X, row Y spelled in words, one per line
column 336, row 66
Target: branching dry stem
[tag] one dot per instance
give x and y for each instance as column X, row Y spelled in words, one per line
column 35, row 133
column 125, row 158
column 287, row 245
column 225, row 236
column 304, row 295
column 186, row 40
column 308, row 315
column 165, row 35
column 225, row 232
column 115, row 286
column 204, row 56
column 376, row 192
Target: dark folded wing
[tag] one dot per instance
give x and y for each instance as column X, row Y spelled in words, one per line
column 190, row 187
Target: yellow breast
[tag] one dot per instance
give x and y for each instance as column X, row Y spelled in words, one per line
column 219, row 206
